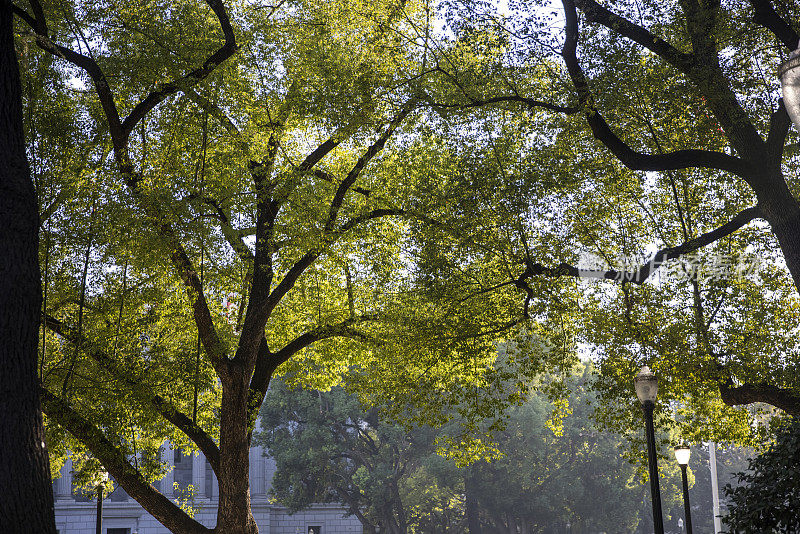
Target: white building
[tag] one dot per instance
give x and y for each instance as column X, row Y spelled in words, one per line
column 76, row 514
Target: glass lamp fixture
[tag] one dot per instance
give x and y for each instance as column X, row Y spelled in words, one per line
column 789, row 75
column 682, row 453
column 646, row 385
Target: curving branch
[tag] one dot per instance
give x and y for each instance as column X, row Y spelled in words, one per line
column 268, row 361
column 640, row 275
column 786, row 399
column 161, row 405
column 115, row 462
column 162, row 91
column 118, row 128
column 765, row 15
column 341, row 329
column 681, row 159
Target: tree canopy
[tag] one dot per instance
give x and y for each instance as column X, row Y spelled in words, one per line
column 378, row 193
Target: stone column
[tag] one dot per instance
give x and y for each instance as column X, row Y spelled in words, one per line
column 168, row 457
column 256, row 473
column 199, row 475
column 64, row 482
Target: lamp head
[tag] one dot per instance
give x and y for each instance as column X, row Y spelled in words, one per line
column 789, row 75
column 646, row 385
column 682, row 453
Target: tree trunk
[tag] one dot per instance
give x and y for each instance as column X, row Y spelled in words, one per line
column 782, row 211
column 26, row 504
column 234, row 515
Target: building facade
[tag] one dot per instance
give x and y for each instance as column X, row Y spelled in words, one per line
column 76, row 513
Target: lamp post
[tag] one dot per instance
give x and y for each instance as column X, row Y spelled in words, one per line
column 646, row 385
column 789, row 74
column 682, row 453
column 101, row 480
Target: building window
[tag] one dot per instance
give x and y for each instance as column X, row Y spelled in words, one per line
column 118, row 531
column 315, row 530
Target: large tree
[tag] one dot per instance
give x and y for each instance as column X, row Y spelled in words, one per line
column 659, row 147
column 24, row 468
column 242, row 198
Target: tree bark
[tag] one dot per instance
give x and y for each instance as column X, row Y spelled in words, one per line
column 234, row 515
column 27, row 493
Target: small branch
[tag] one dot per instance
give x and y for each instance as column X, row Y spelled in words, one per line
column 233, row 236
column 368, row 216
column 309, row 257
column 362, row 162
column 216, row 112
column 322, row 175
column 529, row 102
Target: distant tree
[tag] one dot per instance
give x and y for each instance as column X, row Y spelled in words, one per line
column 328, row 449
column 767, row 498
column 557, row 469
column 553, row 469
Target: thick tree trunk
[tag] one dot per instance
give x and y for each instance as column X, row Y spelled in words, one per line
column 26, row 492
column 782, row 211
column 234, row 515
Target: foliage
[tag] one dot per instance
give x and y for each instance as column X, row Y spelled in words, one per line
column 670, row 264
column 767, row 498
column 328, row 448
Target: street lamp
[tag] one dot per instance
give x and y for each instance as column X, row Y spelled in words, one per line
column 102, row 478
column 789, row 74
column 682, row 453
column 646, row 385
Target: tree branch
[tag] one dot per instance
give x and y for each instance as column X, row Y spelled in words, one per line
column 114, row 461
column 529, row 102
column 162, row 91
column 680, row 159
column 216, row 112
column 779, row 124
column 765, row 15
column 161, row 405
column 309, row 257
column 341, row 329
column 233, row 236
column 641, row 275
column 362, row 162
column 594, row 12
column 786, row 399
